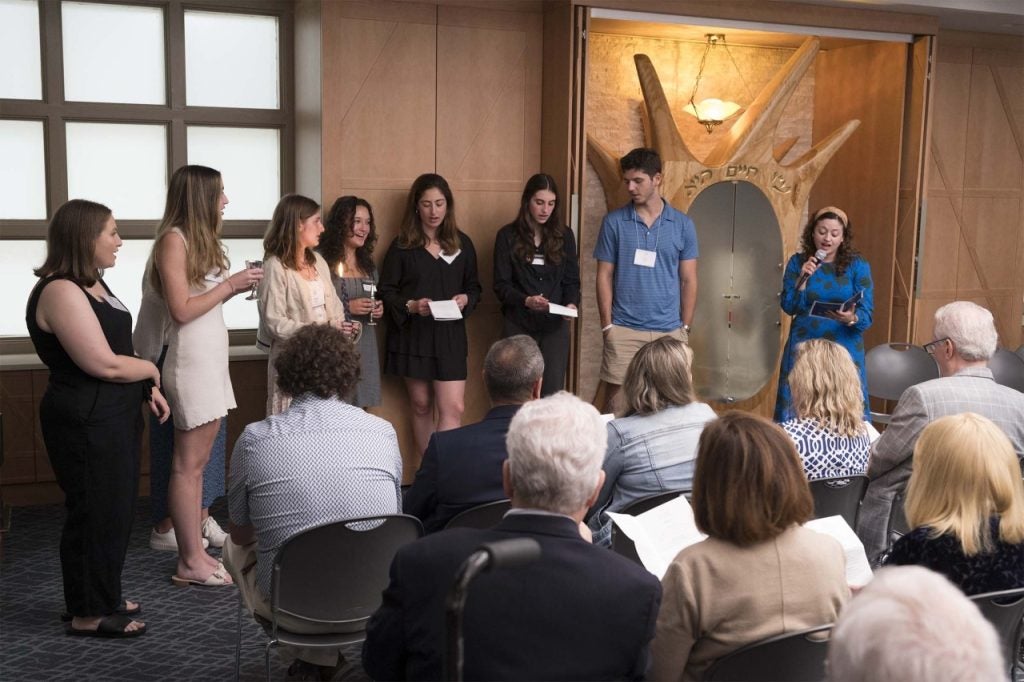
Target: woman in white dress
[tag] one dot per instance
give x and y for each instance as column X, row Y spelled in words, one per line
column 189, row 270
column 297, row 288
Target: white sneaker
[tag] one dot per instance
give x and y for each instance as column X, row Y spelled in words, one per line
column 167, row 542
column 213, row 532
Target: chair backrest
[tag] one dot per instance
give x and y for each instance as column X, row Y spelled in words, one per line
column 893, row 367
column 1004, row 610
column 1008, row 368
column 482, row 516
column 839, row 497
column 790, row 657
column 621, row 543
column 336, row 573
column 1020, row 351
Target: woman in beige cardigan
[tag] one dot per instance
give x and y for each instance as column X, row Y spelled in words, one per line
column 296, row 289
column 759, row 573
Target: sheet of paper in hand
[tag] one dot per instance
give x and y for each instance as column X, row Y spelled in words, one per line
column 445, row 310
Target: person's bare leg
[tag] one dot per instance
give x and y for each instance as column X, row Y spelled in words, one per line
column 420, row 400
column 604, row 397
column 184, row 493
column 451, row 403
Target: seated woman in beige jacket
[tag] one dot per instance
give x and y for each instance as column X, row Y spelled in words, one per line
column 759, row 573
column 296, row 289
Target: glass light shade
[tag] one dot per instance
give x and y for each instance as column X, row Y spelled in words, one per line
column 712, row 109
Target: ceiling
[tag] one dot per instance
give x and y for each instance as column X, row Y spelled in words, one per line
column 984, row 16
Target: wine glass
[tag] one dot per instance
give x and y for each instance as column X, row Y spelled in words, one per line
column 368, row 285
column 250, row 264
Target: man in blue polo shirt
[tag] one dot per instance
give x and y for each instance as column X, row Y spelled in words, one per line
column 646, row 272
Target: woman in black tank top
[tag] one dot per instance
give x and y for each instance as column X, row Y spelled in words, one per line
column 90, row 415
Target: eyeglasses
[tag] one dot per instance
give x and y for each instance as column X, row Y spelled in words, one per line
column 932, row 345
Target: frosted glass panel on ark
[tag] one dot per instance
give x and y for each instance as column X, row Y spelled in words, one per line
column 231, row 60
column 113, row 53
column 23, row 170
column 121, row 165
column 20, row 73
column 249, row 160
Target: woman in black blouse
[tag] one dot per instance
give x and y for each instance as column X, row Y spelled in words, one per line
column 535, row 265
column 965, row 503
column 430, row 260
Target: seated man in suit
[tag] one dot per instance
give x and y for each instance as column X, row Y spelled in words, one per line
column 579, row 612
column 965, row 340
column 461, row 468
column 320, row 461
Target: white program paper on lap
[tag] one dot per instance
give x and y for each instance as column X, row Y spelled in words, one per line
column 445, row 310
column 858, row 570
column 660, row 533
column 562, row 310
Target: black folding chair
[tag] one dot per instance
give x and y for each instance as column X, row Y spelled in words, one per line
column 482, row 516
column 1008, row 368
column 891, row 368
column 620, row 541
column 839, row 497
column 790, row 657
column 331, row 575
column 1005, row 610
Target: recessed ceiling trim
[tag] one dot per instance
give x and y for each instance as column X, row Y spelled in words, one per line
column 625, row 15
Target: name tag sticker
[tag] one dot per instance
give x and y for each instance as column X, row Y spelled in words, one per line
column 645, row 258
column 538, row 259
column 370, row 288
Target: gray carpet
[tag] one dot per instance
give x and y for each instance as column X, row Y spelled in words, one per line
column 191, row 631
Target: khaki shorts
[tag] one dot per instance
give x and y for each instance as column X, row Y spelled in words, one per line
column 622, row 343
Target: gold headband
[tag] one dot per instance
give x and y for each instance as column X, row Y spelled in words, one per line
column 832, row 209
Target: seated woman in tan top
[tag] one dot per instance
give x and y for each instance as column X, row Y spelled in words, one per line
column 758, row 573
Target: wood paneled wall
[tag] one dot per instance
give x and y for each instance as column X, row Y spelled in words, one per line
column 411, row 88
column 973, row 239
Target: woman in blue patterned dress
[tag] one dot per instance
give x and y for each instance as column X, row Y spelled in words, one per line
column 965, row 503
column 835, row 278
column 828, row 430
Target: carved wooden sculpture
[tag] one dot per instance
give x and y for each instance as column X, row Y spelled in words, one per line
column 748, row 152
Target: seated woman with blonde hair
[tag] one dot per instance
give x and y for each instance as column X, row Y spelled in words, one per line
column 653, row 444
column 829, row 430
column 759, row 573
column 965, row 503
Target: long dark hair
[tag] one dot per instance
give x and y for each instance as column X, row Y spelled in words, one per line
column 410, row 234
column 552, row 239
column 71, row 241
column 338, row 228
column 844, row 254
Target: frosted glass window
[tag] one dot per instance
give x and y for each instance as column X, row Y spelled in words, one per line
column 113, row 53
column 231, row 60
column 23, row 170
column 21, row 74
column 249, row 160
column 238, row 312
column 17, row 259
column 122, row 165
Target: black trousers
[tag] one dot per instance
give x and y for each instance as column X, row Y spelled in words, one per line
column 92, row 431
column 554, row 346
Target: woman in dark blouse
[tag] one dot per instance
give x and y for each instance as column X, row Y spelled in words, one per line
column 535, row 265
column 965, row 503
column 430, row 260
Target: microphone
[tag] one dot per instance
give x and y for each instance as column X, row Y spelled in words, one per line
column 818, row 256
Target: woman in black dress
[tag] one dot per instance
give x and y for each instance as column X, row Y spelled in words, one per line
column 89, row 414
column 430, row 260
column 535, row 265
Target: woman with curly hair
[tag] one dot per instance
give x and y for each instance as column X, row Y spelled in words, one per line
column 828, row 430
column 347, row 245
column 827, row 269
column 535, row 265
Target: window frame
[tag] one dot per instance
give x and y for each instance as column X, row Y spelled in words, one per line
column 54, row 111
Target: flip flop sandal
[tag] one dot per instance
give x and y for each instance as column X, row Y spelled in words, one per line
column 217, row 579
column 119, row 611
column 109, row 626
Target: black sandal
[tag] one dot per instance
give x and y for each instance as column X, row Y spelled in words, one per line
column 109, row 626
column 121, row 610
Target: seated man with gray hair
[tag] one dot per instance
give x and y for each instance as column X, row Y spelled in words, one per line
column 912, row 625
column 579, row 612
column 461, row 468
column 965, row 340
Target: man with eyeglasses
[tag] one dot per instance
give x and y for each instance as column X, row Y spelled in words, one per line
column 965, row 340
